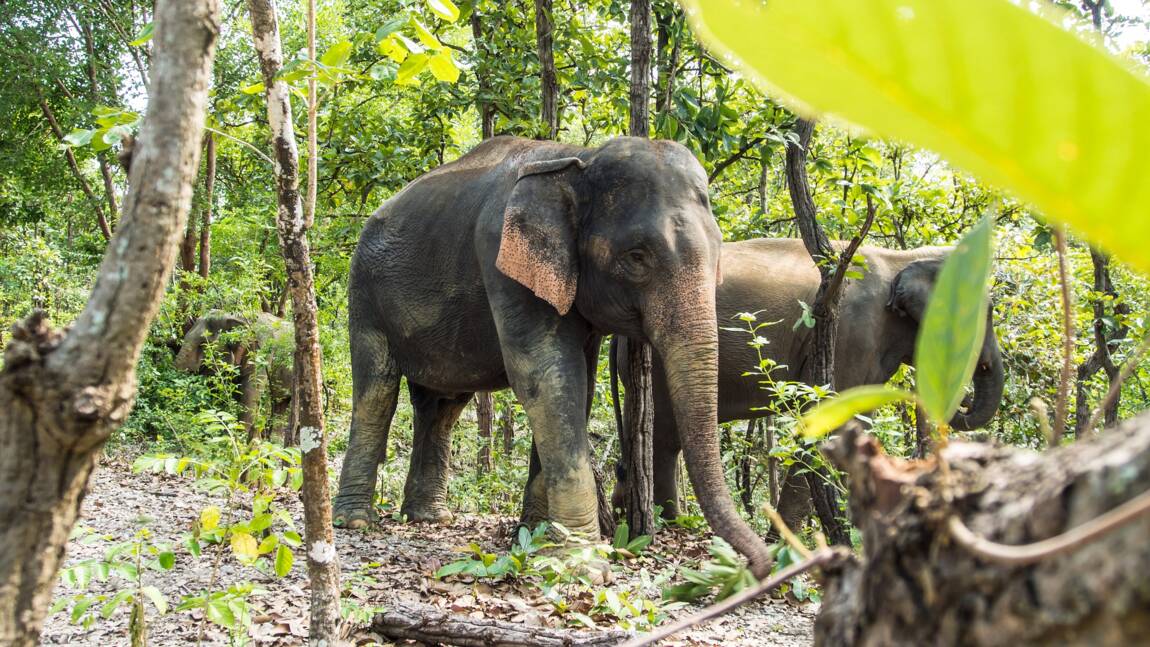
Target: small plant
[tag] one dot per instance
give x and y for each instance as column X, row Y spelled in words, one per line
column 622, row 548
column 127, row 561
column 515, row 563
column 725, row 572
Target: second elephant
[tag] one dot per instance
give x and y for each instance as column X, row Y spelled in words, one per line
column 879, row 317
column 260, row 350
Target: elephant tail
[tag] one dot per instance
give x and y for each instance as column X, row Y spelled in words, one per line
column 613, row 368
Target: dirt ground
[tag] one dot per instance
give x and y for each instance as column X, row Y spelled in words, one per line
column 390, row 563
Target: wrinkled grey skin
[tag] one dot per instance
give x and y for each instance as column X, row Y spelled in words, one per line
column 506, row 267
column 879, row 317
column 271, row 338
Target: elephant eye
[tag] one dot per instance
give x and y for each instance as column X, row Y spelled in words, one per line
column 635, row 263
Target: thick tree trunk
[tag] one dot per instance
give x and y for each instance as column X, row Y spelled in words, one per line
column 426, row 624
column 323, row 564
column 640, row 121
column 483, row 89
column 485, row 419
column 916, row 583
column 63, row 393
column 549, row 80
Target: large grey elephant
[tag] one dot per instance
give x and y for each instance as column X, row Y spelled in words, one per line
column 506, row 267
column 261, row 351
column 879, row 317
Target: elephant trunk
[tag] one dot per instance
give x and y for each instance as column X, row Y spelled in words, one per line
column 690, row 352
column 989, row 382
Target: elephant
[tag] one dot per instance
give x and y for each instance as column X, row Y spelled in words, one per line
column 879, row 317
column 271, row 341
column 506, row 267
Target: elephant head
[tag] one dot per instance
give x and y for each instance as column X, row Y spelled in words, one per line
column 626, row 238
column 909, row 294
column 207, row 330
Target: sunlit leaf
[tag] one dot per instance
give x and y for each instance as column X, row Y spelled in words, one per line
column 209, row 518
column 425, row 36
column 836, row 411
column 445, row 9
column 933, row 73
column 443, row 67
column 284, row 559
column 157, row 598
column 954, row 325
column 145, row 35
column 409, row 72
column 245, row 546
column 337, row 54
column 79, row 137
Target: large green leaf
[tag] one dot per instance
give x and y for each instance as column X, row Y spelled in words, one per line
column 994, row 88
column 954, row 325
column 835, row 412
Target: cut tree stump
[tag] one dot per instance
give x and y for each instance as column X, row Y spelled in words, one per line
column 916, row 585
column 407, row 621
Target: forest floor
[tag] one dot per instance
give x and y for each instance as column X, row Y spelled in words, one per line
column 387, row 564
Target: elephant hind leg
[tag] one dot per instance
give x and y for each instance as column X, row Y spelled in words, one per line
column 375, row 393
column 425, row 491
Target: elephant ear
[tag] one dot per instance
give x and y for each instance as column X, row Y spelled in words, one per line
column 911, row 288
column 538, row 244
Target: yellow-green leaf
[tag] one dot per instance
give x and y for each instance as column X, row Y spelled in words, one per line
column 954, row 325
column 392, row 48
column 284, row 559
column 337, row 55
column 409, row 71
column 443, row 67
column 254, row 88
column 245, row 546
column 445, row 9
column 425, row 35
column 209, row 518
column 834, row 412
column 990, row 85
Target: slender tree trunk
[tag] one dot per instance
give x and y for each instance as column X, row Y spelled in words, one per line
column 832, row 268
column 485, row 417
column 483, row 91
column 640, row 120
column 549, row 80
column 639, row 406
column 667, row 59
column 750, row 451
column 206, row 221
column 74, row 166
column 94, row 97
column 508, row 424
column 323, row 563
column 63, row 393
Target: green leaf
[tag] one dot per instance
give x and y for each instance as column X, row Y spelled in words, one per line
column 145, row 35
column 954, row 324
column 284, row 560
column 157, row 598
column 219, row 613
column 79, row 137
column 337, row 54
column 255, row 88
column 835, row 412
column 931, row 73
column 167, row 559
column 445, row 9
column 443, row 67
column 409, row 72
column 111, row 605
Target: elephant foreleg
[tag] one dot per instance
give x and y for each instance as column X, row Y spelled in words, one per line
column 425, row 491
column 375, row 392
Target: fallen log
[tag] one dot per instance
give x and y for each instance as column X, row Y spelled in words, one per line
column 923, row 580
column 427, row 624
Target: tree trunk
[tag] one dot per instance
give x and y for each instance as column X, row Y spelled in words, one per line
column 206, row 221
column 640, row 122
column 746, row 486
column 917, row 583
column 323, row 564
column 821, row 358
column 63, row 393
column 1102, row 358
column 638, row 415
column 667, row 61
column 508, row 424
column 74, row 166
column 549, row 80
column 483, row 89
column 485, row 417
column 426, row 624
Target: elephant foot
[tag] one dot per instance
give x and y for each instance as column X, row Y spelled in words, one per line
column 439, row 515
column 352, row 516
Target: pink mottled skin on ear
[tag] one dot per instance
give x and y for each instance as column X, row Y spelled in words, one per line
column 519, row 262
